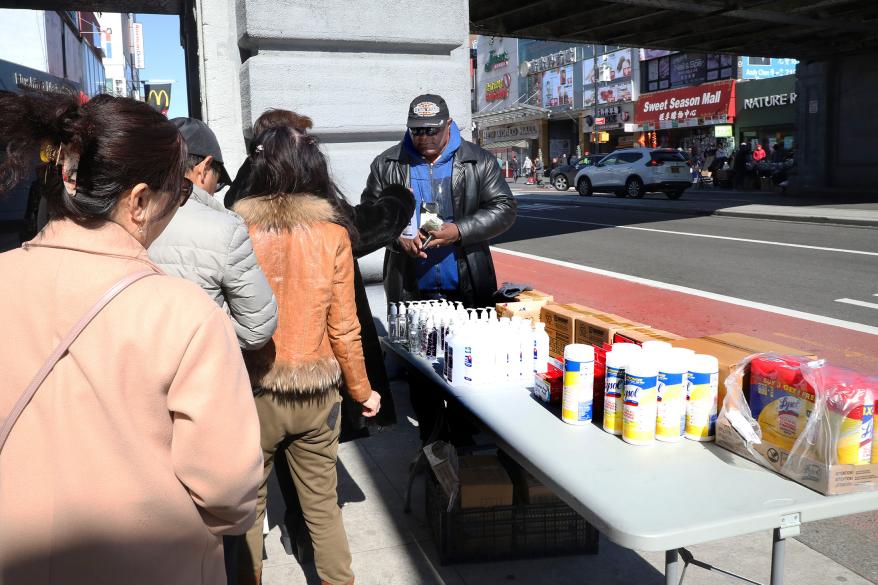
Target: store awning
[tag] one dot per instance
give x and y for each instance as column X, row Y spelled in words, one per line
column 508, row 144
column 517, row 113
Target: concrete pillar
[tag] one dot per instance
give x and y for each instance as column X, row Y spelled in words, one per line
column 353, row 67
column 219, row 66
column 813, row 81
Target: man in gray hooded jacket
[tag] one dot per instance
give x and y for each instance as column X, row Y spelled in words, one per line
column 209, row 245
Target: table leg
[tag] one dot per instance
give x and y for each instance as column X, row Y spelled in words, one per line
column 672, row 567
column 778, row 550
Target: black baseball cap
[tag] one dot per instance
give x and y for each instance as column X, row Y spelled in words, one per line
column 427, row 111
column 201, row 141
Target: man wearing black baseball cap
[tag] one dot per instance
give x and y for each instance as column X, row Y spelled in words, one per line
column 462, row 202
column 210, row 245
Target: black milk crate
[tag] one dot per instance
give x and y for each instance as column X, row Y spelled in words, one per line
column 504, row 532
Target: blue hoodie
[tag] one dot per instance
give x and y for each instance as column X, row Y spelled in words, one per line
column 439, row 270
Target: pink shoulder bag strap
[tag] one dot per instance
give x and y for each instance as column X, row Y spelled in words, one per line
column 62, row 348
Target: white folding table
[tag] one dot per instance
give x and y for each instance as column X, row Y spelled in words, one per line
column 662, row 497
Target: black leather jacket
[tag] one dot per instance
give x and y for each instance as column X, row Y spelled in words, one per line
column 484, row 208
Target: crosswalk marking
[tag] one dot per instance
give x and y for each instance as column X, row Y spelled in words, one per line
column 858, row 303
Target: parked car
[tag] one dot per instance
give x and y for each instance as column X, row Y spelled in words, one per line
column 561, row 176
column 632, row 172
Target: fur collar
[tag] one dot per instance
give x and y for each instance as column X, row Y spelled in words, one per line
column 285, row 212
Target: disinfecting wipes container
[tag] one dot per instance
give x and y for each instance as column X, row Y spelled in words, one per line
column 673, row 373
column 577, row 399
column 614, row 385
column 701, row 396
column 639, row 407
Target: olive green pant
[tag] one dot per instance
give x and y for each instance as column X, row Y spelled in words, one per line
column 310, row 429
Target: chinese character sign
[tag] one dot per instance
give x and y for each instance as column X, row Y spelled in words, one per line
column 765, row 67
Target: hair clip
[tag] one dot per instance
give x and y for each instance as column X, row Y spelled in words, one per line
column 259, row 148
column 69, row 166
column 49, row 153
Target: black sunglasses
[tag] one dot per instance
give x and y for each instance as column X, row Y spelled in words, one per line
column 426, row 131
column 185, row 191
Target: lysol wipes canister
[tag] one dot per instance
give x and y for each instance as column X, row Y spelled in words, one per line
column 639, row 406
column 614, row 385
column 578, row 395
column 701, row 397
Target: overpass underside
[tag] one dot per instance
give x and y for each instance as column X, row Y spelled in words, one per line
column 353, row 66
column 772, row 28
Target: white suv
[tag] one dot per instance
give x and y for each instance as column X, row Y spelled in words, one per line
column 633, row 172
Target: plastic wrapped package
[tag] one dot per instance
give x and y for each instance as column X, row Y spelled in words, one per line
column 809, row 421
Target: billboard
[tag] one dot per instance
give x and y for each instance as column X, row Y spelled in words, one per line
column 558, row 87
column 613, row 78
column 765, row 67
column 158, row 95
column 496, row 73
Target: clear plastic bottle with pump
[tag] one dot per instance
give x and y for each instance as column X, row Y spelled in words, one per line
column 432, row 339
column 526, row 361
column 541, row 349
column 393, row 322
column 401, row 331
column 412, row 338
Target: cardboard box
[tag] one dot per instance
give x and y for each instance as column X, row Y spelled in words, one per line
column 640, row 334
column 828, row 480
column 549, row 387
column 731, row 348
column 532, row 491
column 484, row 483
column 782, row 401
column 535, row 295
column 597, row 330
column 524, row 309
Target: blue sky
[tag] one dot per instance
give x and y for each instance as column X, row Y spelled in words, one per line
column 163, row 57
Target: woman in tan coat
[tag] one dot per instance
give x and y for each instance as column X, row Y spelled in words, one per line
column 302, row 239
column 140, row 448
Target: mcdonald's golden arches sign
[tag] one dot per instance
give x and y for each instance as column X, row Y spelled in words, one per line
column 158, row 95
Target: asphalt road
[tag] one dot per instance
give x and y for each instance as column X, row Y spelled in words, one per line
column 801, row 267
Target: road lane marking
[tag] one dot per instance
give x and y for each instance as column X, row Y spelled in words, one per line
column 711, row 236
column 698, row 293
column 858, row 303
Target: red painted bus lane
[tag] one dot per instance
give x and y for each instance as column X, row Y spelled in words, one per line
column 690, row 315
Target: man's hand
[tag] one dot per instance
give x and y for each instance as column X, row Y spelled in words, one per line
column 412, row 246
column 372, row 405
column 445, row 236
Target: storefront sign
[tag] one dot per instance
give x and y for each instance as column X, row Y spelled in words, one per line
column 498, row 90
column 497, row 68
column 554, row 60
column 497, row 60
column 687, row 104
column 137, row 45
column 766, row 102
column 17, row 78
column 770, row 101
column 527, row 131
column 688, row 69
column 765, row 67
column 608, row 117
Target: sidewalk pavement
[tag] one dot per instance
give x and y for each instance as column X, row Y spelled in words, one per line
column 390, row 547
column 830, row 209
